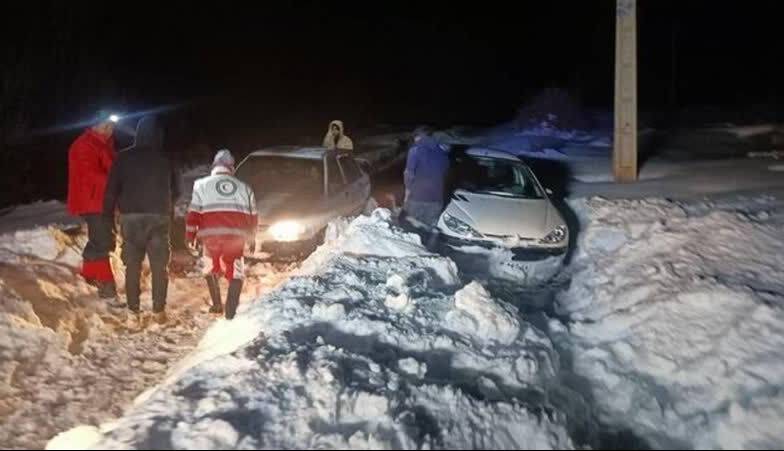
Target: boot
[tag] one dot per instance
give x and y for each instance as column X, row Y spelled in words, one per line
column 233, row 298
column 133, row 321
column 214, row 286
column 107, row 290
column 160, row 318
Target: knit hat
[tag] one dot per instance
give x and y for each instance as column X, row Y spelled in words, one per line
column 223, row 158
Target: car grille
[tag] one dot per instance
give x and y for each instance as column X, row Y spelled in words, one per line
column 511, row 237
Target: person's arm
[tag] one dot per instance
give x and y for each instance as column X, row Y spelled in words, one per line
column 113, row 189
column 254, row 220
column 176, row 192
column 106, row 157
column 194, row 217
column 411, row 166
column 329, row 140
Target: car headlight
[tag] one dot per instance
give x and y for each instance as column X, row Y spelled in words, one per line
column 556, row 236
column 460, row 227
column 287, row 231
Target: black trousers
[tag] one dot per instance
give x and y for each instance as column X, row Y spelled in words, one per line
column 100, row 237
column 145, row 234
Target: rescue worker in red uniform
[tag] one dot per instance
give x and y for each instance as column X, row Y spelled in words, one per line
column 222, row 216
column 89, row 160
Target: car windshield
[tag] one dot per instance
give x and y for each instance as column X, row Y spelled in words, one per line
column 272, row 174
column 496, row 176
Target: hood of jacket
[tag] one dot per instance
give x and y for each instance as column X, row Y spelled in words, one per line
column 340, row 127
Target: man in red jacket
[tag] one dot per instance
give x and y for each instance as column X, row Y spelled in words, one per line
column 89, row 160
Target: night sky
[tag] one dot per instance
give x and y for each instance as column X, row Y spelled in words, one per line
column 390, row 61
column 278, row 72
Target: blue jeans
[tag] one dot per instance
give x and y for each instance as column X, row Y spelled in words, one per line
column 427, row 213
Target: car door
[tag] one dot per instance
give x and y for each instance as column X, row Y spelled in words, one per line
column 358, row 183
column 338, row 191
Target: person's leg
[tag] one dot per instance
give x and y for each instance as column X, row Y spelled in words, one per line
column 96, row 268
column 431, row 213
column 235, row 272
column 133, row 250
column 159, row 251
column 211, row 267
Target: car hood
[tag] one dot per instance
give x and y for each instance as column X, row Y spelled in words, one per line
column 274, row 207
column 505, row 217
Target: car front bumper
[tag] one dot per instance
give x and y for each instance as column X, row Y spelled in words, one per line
column 526, row 254
column 288, row 248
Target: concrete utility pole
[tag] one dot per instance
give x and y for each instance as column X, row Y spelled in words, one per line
column 625, row 143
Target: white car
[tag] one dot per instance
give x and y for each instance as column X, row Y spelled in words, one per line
column 497, row 201
column 299, row 191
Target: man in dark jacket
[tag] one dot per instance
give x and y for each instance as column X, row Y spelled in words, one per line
column 143, row 185
column 89, row 160
column 425, row 178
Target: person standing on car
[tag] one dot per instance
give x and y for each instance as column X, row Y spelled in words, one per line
column 143, row 185
column 427, row 167
column 336, row 137
column 90, row 159
column 222, row 216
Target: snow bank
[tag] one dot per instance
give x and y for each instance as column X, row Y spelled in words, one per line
column 367, row 348
column 65, row 355
column 38, row 214
column 679, row 326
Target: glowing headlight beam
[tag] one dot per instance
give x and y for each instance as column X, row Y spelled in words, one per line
column 287, row 231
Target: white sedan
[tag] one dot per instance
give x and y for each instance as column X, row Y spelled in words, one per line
column 497, row 202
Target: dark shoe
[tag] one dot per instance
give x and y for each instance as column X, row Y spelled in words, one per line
column 216, row 310
column 215, row 295
column 133, row 321
column 160, row 318
column 107, row 290
column 233, row 298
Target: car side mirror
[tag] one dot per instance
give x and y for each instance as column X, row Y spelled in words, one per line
column 548, row 191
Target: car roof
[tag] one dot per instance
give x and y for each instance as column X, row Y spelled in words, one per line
column 306, row 153
column 492, row 153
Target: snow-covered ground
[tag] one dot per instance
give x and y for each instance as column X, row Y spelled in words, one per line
column 66, row 357
column 374, row 344
column 670, row 332
column 677, row 321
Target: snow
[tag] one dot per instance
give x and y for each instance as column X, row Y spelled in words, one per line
column 479, row 315
column 26, row 217
column 66, row 357
column 678, row 323
column 334, row 365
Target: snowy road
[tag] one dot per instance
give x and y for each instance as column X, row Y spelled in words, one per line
column 67, row 359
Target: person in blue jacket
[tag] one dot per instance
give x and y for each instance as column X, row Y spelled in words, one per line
column 427, row 167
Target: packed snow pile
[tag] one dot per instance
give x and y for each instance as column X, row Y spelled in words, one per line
column 373, row 345
column 38, row 214
column 66, row 357
column 679, row 321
